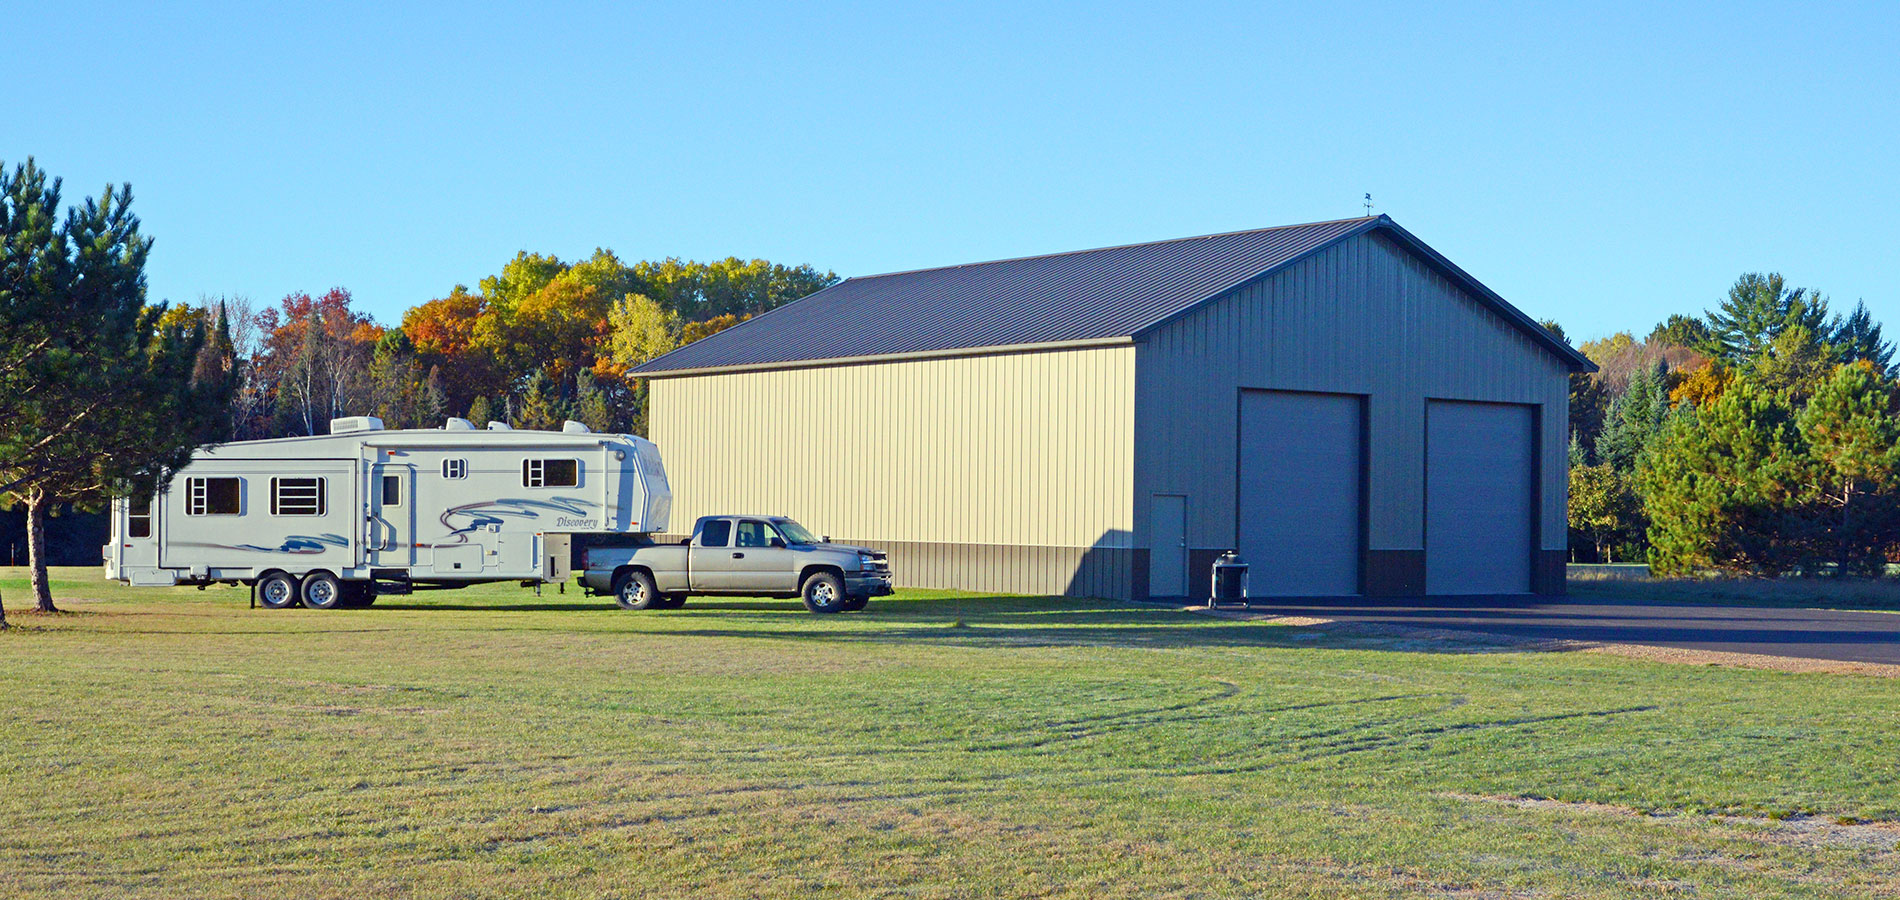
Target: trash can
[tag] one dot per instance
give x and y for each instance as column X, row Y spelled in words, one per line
column 1229, row 582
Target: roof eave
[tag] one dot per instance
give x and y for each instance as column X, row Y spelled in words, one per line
column 947, row 353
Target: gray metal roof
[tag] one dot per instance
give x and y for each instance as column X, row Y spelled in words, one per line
column 1086, row 295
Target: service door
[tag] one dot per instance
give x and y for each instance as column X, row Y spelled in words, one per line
column 1480, row 492
column 1167, row 552
column 1301, row 493
column 391, row 532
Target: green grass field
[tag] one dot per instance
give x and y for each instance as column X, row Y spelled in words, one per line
column 172, row 743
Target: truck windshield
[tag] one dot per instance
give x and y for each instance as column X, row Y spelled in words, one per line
column 794, row 532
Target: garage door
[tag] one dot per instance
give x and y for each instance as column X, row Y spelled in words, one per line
column 1479, row 492
column 1300, row 494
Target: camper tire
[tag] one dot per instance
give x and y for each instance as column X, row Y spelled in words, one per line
column 277, row 590
column 823, row 592
column 634, row 589
column 322, row 590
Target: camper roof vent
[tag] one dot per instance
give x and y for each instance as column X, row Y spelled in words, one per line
column 572, row 427
column 355, row 423
column 458, row 424
column 499, row 426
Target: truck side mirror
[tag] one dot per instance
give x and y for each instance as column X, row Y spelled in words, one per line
column 826, row 539
column 778, row 542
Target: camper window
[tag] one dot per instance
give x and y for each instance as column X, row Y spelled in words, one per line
column 298, row 497
column 455, row 468
column 214, row 496
column 138, row 520
column 392, row 490
column 550, row 473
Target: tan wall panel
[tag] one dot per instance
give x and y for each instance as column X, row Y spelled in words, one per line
column 1028, row 449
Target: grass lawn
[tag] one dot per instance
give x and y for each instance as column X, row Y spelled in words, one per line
column 171, row 743
column 1877, row 595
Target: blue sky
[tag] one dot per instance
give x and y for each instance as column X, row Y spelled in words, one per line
column 1602, row 165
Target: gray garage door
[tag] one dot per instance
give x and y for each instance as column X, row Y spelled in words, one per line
column 1479, row 492
column 1300, row 493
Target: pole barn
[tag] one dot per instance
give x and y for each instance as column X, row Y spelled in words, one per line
column 1342, row 405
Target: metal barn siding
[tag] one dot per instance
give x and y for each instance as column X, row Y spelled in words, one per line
column 1366, row 317
column 1007, row 472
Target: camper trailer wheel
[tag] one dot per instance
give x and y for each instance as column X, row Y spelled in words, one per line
column 824, row 593
column 322, row 590
column 633, row 589
column 277, row 590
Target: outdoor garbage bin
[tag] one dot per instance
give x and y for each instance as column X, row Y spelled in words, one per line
column 1229, row 582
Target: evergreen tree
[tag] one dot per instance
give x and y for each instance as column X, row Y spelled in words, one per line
column 542, row 407
column 105, row 397
column 591, row 406
column 431, row 406
column 1758, row 309
column 1718, row 485
column 1852, row 431
column 1795, row 362
column 1634, row 419
column 1858, row 338
column 481, row 412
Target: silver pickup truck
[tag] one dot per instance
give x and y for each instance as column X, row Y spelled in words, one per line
column 743, row 556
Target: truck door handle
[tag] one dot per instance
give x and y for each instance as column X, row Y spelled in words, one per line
column 738, row 556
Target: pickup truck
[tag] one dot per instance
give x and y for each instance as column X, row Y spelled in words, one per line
column 740, row 556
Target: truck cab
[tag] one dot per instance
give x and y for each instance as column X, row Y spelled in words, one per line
column 742, row 556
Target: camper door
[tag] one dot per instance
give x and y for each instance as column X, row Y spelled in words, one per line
column 391, row 538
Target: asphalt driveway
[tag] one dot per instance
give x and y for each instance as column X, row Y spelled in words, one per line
column 1869, row 637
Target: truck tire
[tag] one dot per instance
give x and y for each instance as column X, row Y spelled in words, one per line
column 278, row 590
column 673, row 601
column 322, row 590
column 824, row 593
column 856, row 603
column 634, row 590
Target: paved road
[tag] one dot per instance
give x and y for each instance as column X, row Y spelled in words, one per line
column 1808, row 633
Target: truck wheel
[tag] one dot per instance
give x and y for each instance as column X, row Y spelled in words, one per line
column 277, row 590
column 672, row 601
column 635, row 590
column 824, row 593
column 322, row 590
column 856, row 603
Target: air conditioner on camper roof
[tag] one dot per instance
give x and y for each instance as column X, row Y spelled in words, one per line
column 355, row 423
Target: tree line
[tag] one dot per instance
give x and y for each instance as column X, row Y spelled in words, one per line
column 1760, row 438
column 103, row 394
column 542, row 341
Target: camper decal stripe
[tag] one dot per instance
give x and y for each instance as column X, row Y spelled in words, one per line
column 479, row 515
column 296, row 544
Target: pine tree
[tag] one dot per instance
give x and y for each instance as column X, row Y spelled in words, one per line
column 1858, row 338
column 1852, row 431
column 1758, row 309
column 1719, row 483
column 481, row 412
column 591, row 406
column 542, row 407
column 103, row 399
column 1634, row 419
